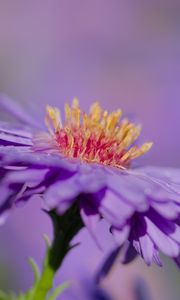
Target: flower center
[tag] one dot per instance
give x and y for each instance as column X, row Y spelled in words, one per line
column 97, row 137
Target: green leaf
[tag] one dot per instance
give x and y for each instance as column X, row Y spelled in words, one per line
column 3, row 296
column 29, row 294
column 48, row 248
column 47, row 241
column 21, row 296
column 11, row 296
column 58, row 291
column 35, row 269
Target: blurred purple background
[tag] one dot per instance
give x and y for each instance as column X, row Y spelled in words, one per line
column 124, row 54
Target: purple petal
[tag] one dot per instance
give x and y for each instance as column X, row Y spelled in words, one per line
column 128, row 253
column 115, row 210
column 162, row 241
column 170, row 228
column 168, row 179
column 90, row 217
column 177, row 261
column 5, row 194
column 30, row 177
column 156, row 258
column 14, row 140
column 168, row 210
column 90, row 178
column 129, row 188
column 24, row 156
column 107, row 265
column 147, row 248
column 141, row 290
column 29, row 193
column 15, row 110
column 14, row 129
column 62, row 194
column 121, row 235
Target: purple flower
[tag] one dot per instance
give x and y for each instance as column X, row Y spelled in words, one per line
column 141, row 290
column 89, row 160
column 90, row 287
column 89, row 290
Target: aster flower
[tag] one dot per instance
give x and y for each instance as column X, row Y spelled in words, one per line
column 89, row 290
column 141, row 290
column 88, row 161
column 91, row 287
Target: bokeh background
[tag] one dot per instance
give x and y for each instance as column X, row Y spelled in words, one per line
column 124, row 54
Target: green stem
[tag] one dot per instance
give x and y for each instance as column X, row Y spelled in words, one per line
column 65, row 228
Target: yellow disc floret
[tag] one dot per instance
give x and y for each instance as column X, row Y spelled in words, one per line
column 97, row 137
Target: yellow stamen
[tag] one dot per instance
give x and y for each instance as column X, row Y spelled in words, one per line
column 95, row 112
column 67, row 113
column 113, row 119
column 142, row 150
column 53, row 118
column 76, row 113
column 95, row 137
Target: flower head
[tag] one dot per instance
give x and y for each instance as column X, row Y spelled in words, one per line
column 88, row 161
column 95, row 138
